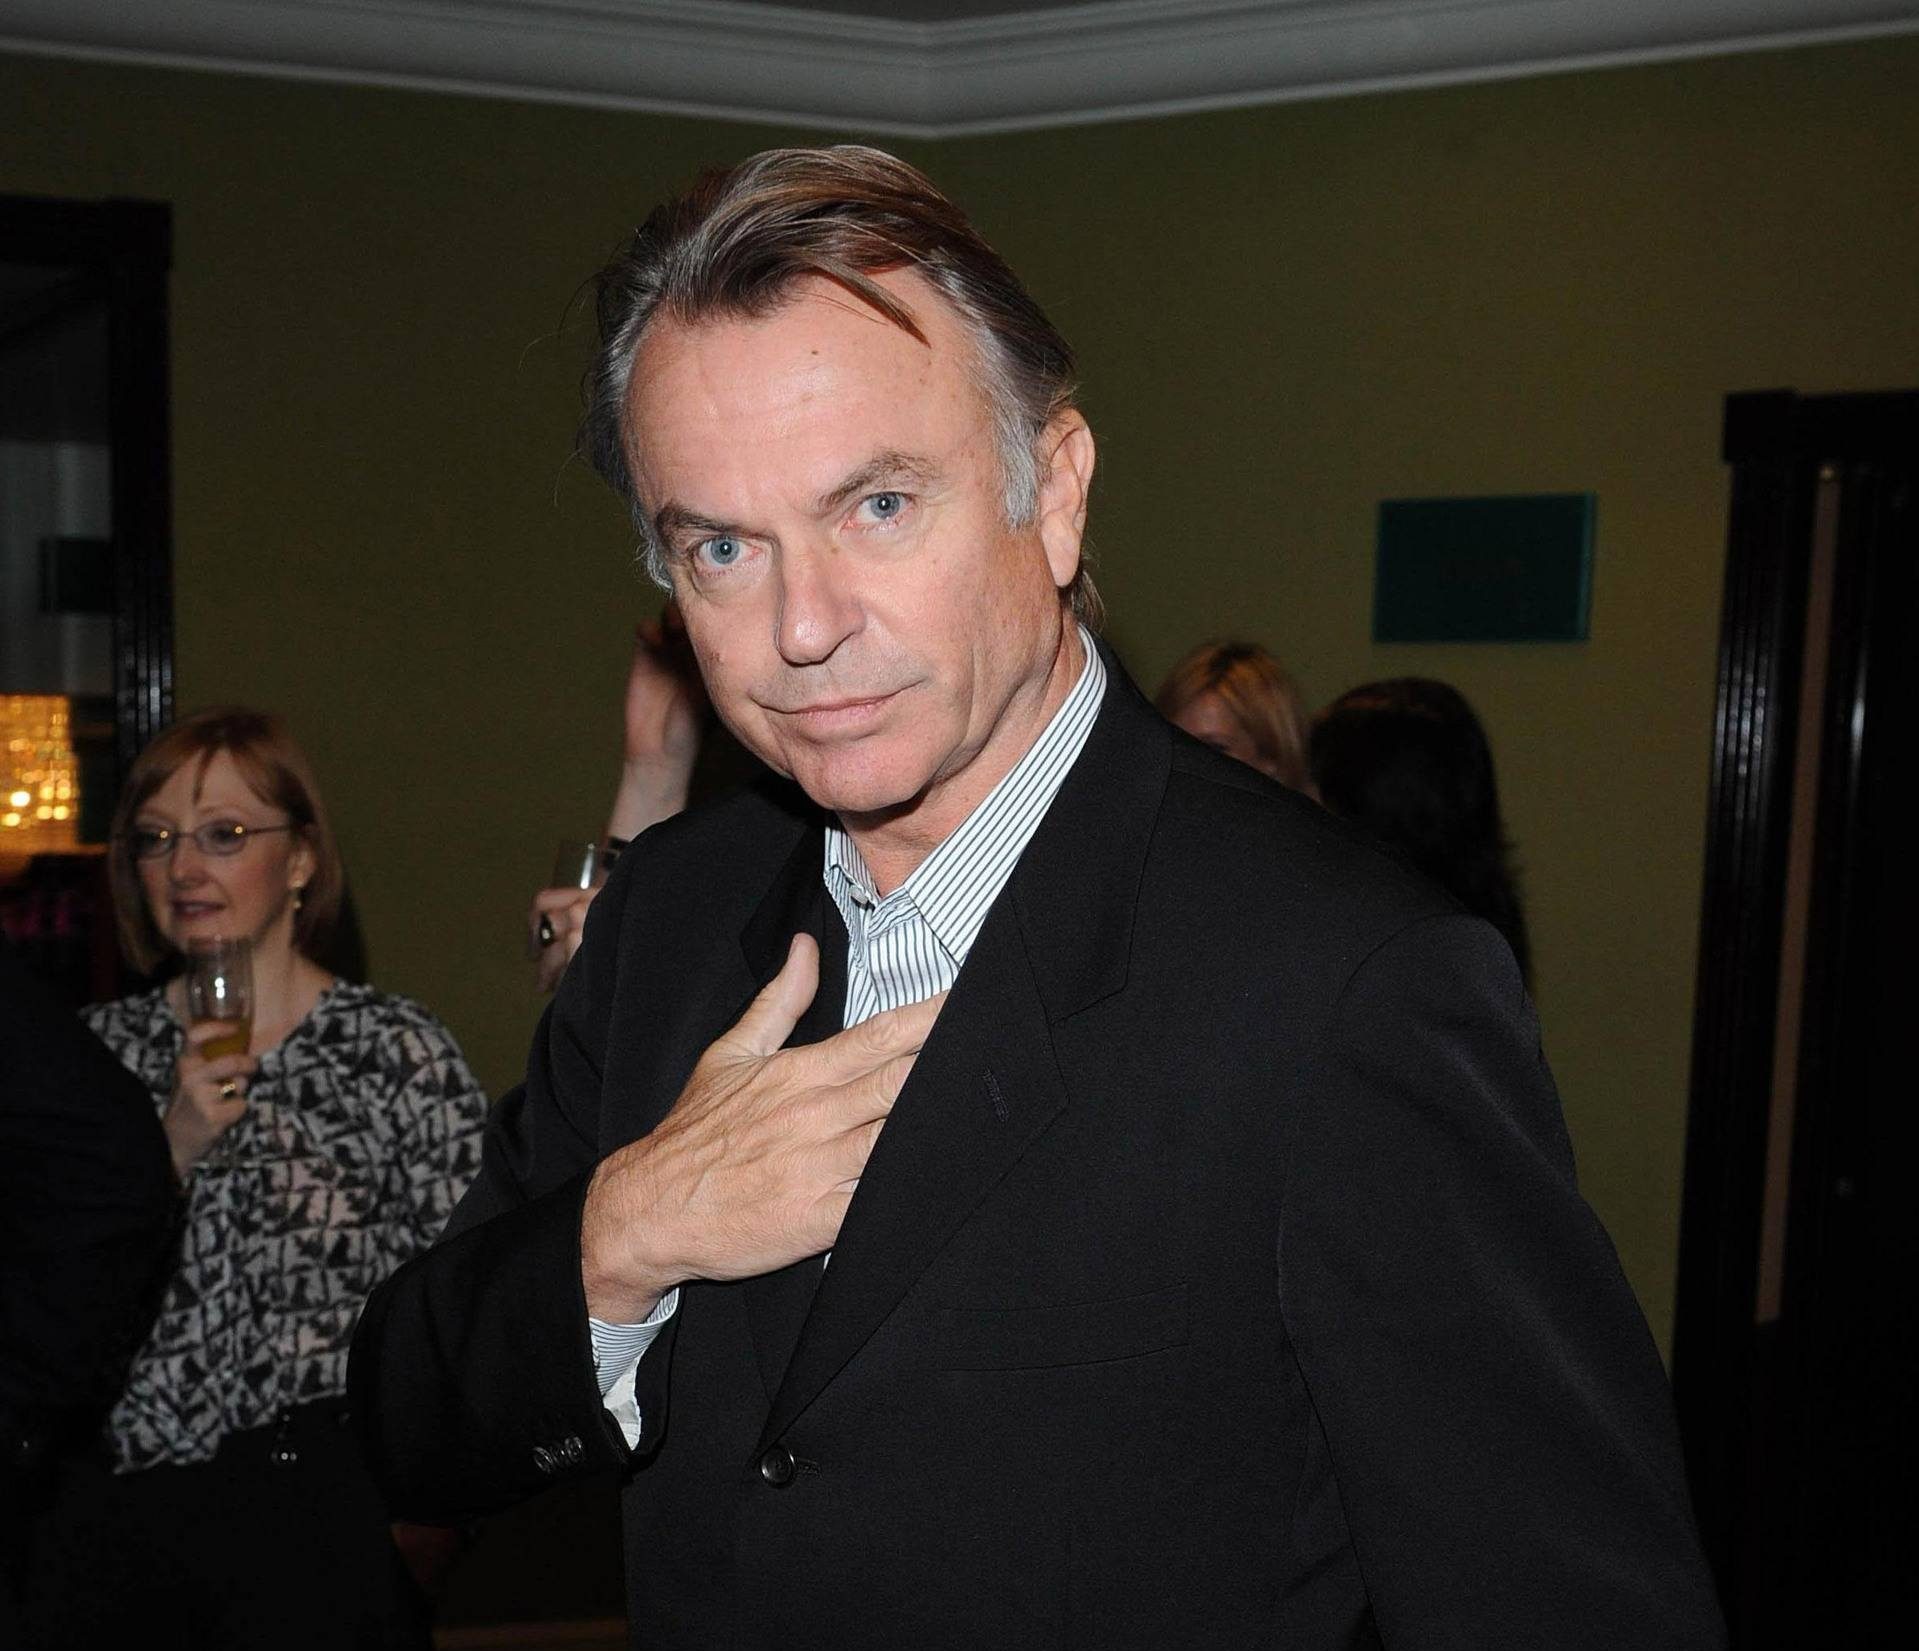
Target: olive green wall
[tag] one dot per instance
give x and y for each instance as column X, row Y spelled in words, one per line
column 1284, row 316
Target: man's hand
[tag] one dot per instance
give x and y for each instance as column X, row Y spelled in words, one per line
column 754, row 1166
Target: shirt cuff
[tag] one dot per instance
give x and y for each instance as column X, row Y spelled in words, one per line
column 617, row 1351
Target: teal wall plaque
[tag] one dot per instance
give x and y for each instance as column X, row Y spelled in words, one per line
column 1508, row 569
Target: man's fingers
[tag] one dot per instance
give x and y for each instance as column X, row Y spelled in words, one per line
column 842, row 1160
column 829, row 1215
column 871, row 1095
column 874, row 1042
column 868, row 1046
column 851, row 1117
column 770, row 1018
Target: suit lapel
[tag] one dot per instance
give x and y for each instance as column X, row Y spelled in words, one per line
column 984, row 1088
column 988, row 1084
column 1077, row 884
column 796, row 902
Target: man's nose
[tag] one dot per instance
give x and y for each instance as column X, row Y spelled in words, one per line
column 819, row 609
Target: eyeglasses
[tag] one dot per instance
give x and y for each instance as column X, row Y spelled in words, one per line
column 220, row 838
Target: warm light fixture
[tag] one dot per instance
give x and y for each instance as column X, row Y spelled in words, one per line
column 39, row 776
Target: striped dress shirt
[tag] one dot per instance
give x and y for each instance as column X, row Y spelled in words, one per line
column 908, row 945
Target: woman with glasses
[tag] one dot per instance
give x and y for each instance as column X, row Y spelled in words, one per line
column 230, row 1507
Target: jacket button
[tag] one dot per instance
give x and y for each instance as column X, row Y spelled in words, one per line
column 544, row 1459
column 571, row 1450
column 777, row 1467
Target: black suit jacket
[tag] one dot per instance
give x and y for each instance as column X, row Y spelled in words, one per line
column 1218, row 1280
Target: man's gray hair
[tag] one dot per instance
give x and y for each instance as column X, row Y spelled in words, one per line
column 736, row 242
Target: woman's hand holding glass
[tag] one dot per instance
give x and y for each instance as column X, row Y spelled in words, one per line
column 556, row 924
column 662, row 715
column 209, row 1094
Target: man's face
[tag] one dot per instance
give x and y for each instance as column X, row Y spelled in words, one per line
column 829, row 495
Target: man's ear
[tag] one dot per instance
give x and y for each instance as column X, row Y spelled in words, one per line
column 1066, row 477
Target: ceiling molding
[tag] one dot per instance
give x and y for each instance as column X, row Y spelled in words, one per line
column 1109, row 60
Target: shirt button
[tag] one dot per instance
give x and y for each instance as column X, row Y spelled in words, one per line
column 777, row 1467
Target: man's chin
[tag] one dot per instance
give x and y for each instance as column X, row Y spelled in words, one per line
column 855, row 789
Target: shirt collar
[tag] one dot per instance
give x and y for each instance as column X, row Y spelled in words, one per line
column 953, row 888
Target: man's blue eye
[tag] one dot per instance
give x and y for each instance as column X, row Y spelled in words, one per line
column 887, row 504
column 723, row 552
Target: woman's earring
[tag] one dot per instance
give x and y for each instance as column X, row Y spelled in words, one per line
column 299, row 889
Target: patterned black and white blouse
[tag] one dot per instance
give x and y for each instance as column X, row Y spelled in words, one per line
column 362, row 1130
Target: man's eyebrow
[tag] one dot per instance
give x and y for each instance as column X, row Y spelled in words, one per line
column 878, row 471
column 672, row 520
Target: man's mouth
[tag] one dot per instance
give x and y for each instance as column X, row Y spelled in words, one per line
column 836, row 715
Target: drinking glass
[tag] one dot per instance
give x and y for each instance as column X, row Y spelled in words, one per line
column 575, row 865
column 220, row 987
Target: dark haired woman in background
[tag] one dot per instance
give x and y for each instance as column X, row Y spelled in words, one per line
column 1408, row 760
column 231, row 1507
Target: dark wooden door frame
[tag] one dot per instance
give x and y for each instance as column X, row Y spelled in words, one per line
column 1778, row 444
column 1748, row 817
column 126, row 248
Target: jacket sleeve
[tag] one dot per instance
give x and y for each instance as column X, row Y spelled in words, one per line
column 88, row 1209
column 1497, row 1420
column 471, row 1381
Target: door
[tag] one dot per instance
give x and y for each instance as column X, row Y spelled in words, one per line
column 1791, row 1361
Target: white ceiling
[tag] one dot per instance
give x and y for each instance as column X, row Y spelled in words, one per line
column 926, row 11
column 924, row 68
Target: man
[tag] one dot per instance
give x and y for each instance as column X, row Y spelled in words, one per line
column 1030, row 1182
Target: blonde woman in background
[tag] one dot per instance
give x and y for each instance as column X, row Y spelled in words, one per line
column 1237, row 698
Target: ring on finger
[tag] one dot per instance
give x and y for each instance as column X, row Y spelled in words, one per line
column 228, row 1089
column 546, row 931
